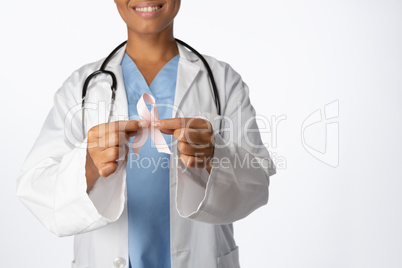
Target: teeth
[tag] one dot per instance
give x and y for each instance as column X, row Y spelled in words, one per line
column 148, row 9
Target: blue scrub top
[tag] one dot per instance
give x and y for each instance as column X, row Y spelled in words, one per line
column 148, row 200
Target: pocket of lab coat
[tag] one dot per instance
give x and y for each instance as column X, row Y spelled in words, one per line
column 230, row 260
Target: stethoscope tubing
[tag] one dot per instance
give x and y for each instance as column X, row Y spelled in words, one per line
column 102, row 70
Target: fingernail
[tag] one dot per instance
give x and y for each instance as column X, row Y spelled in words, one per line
column 143, row 123
column 156, row 123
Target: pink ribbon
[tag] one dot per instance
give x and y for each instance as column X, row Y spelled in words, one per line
column 149, row 117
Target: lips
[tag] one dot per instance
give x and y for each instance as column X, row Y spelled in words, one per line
column 148, row 9
column 146, row 5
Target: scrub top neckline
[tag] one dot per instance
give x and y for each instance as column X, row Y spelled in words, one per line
column 141, row 77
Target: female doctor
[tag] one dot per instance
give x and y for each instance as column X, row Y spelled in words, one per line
column 81, row 177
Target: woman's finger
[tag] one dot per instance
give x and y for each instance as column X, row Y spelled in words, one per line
column 113, row 153
column 167, row 131
column 182, row 122
column 109, row 140
column 117, row 126
column 188, row 149
column 100, row 158
column 130, row 134
column 132, row 125
column 113, row 139
column 108, row 169
column 194, row 136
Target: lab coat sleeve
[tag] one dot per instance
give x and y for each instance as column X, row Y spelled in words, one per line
column 52, row 182
column 239, row 180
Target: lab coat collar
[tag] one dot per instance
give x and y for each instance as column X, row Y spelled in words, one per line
column 188, row 70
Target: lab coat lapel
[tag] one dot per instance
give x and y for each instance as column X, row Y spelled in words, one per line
column 187, row 71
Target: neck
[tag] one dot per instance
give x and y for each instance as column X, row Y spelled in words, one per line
column 152, row 47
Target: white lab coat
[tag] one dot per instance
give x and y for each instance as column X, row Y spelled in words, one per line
column 203, row 206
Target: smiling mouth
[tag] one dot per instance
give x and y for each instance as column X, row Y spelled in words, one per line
column 148, row 8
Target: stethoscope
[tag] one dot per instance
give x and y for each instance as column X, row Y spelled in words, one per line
column 113, row 87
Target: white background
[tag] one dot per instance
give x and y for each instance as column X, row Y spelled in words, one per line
column 296, row 56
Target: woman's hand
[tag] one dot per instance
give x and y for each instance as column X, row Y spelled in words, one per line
column 106, row 144
column 195, row 140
